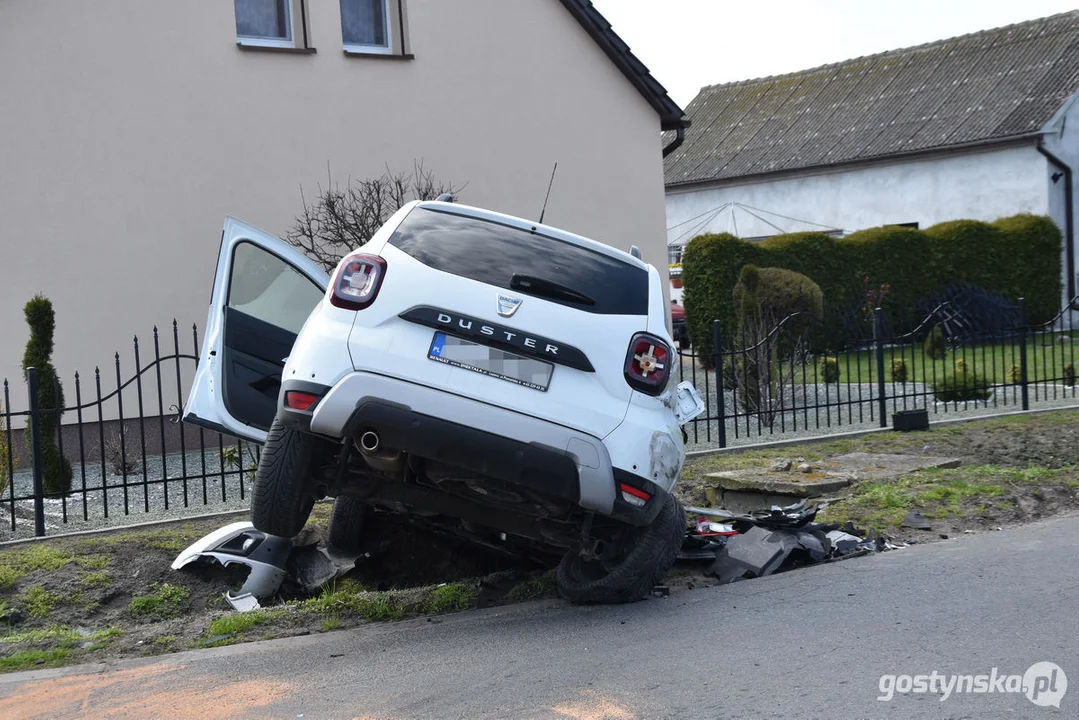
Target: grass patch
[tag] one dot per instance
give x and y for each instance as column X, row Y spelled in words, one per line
column 165, row 641
column 939, row 493
column 9, row 576
column 103, row 638
column 38, row 601
column 97, row 578
column 20, row 562
column 163, row 602
column 994, row 361
column 320, row 514
column 536, row 587
column 26, row 659
column 93, row 561
column 351, row 597
column 241, row 622
column 54, row 636
column 331, row 623
column 454, row 596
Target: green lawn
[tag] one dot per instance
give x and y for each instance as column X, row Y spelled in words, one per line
column 993, row 362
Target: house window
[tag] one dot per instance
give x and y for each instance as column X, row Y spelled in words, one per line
column 264, row 22
column 365, row 26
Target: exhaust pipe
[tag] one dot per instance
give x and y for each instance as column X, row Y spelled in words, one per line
column 387, row 461
column 370, row 442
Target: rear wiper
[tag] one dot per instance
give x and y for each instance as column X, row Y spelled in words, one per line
column 548, row 289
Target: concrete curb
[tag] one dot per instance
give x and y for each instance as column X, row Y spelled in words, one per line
column 810, row 439
column 123, row 528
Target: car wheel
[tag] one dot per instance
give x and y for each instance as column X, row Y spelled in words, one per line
column 280, row 505
column 645, row 556
column 346, row 524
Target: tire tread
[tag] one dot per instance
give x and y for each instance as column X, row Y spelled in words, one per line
column 279, row 504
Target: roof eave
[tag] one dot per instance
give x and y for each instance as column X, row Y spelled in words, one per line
column 875, row 160
column 672, row 117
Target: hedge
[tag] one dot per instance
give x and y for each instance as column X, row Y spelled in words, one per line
column 769, row 295
column 1018, row 256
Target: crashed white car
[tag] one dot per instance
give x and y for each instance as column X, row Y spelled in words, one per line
column 477, row 370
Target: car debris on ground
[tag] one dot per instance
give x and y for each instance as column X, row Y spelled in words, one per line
column 764, row 542
column 299, row 565
column 738, row 546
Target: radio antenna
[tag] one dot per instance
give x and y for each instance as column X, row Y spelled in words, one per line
column 544, row 210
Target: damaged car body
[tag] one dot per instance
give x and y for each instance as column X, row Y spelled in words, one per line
column 241, row 544
column 470, row 368
column 273, row 561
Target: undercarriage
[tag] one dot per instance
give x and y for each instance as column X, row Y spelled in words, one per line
column 446, row 495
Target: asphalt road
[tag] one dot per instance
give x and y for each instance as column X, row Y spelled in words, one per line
column 812, row 643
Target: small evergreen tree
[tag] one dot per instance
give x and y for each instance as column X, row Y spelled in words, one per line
column 1015, row 375
column 56, row 469
column 3, row 452
column 829, row 369
column 900, row 372
column 934, row 344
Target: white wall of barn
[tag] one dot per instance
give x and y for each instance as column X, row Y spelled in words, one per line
column 1062, row 140
column 977, row 185
column 983, row 185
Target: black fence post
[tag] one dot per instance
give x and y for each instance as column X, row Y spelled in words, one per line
column 878, row 336
column 35, row 454
column 721, row 409
column 1024, row 389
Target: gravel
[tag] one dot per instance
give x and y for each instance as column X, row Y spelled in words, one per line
column 148, row 498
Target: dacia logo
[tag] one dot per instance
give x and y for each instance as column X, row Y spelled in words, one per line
column 507, row 305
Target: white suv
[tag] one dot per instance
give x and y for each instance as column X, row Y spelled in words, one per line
column 475, row 369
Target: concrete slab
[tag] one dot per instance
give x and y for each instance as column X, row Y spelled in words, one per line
column 754, row 488
column 885, row 464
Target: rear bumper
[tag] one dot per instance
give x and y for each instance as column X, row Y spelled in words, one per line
column 534, row 466
column 467, row 433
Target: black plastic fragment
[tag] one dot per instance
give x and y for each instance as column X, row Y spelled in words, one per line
column 916, row 520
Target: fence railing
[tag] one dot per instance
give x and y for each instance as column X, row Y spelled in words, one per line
column 128, row 450
column 130, row 454
column 777, row 383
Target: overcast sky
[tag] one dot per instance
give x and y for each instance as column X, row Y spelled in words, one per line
column 691, row 43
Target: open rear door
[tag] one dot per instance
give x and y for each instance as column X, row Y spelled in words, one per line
column 264, row 290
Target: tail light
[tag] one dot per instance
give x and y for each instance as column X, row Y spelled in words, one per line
column 295, row 400
column 357, row 281
column 648, row 364
column 634, row 496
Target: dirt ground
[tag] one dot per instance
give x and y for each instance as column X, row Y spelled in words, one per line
column 1013, row 470
column 114, row 595
column 94, row 598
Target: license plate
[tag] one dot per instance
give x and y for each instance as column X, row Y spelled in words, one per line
column 496, row 363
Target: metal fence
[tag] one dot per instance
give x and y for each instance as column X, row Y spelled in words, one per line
column 129, row 452
column 131, row 455
column 781, row 384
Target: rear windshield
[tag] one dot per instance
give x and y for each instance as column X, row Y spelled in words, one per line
column 545, row 267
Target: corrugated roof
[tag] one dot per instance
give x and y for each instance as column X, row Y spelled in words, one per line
column 986, row 87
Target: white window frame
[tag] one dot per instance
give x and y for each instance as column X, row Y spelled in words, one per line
column 386, row 49
column 256, row 41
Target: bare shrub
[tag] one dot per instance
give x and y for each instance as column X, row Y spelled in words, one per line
column 342, row 218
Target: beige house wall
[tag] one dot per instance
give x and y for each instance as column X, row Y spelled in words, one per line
column 129, row 129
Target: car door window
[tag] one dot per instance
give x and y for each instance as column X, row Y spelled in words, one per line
column 266, row 288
